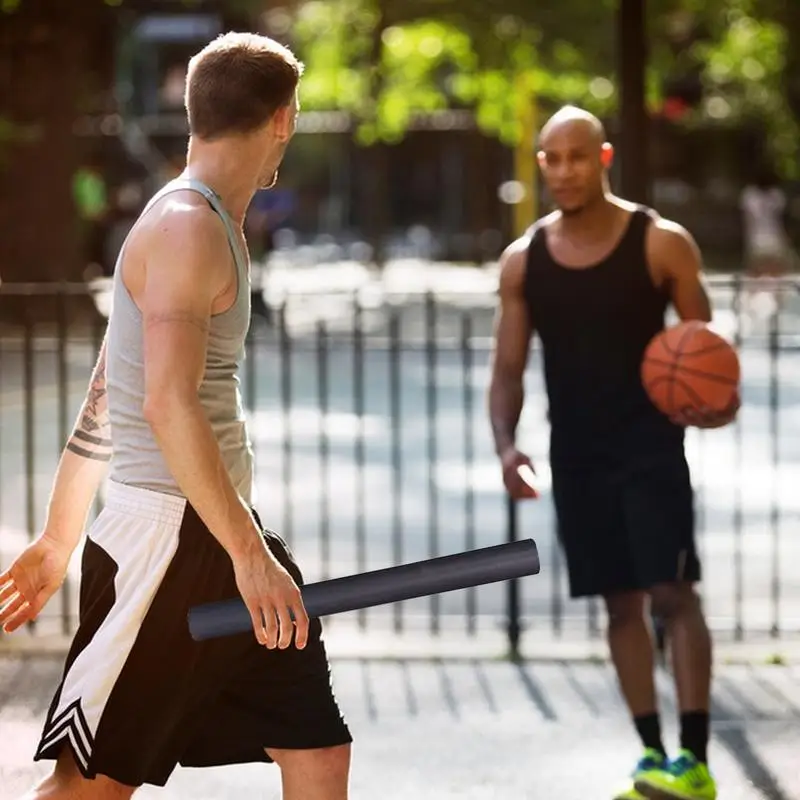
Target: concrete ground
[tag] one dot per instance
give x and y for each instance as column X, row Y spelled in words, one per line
column 475, row 730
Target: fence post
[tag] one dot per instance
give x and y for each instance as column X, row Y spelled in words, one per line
column 514, row 627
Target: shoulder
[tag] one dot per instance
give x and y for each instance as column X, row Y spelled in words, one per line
column 667, row 234
column 184, row 221
column 513, row 263
column 186, row 236
column 671, row 246
column 514, row 258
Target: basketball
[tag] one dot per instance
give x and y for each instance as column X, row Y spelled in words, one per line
column 688, row 366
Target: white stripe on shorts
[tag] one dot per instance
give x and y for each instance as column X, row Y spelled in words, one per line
column 139, row 529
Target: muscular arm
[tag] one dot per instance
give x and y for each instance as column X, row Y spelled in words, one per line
column 512, row 333
column 82, row 465
column 186, row 270
column 678, row 262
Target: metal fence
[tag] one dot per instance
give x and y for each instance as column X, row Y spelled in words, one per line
column 372, row 444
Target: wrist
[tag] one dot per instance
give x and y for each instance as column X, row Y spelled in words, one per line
column 60, row 541
column 244, row 538
column 505, row 448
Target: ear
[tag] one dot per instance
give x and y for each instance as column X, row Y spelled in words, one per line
column 282, row 122
column 540, row 158
column 607, row 154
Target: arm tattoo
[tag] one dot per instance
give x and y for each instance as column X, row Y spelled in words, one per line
column 92, row 435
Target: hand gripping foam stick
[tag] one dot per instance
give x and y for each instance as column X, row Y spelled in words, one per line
column 484, row 565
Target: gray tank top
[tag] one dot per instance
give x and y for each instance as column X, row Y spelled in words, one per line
column 137, row 460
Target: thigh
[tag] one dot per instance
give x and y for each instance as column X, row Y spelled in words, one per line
column 659, row 510
column 269, row 699
column 138, row 690
column 591, row 529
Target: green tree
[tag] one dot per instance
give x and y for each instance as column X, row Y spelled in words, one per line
column 438, row 54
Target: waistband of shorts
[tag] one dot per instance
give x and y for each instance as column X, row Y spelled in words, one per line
column 134, row 500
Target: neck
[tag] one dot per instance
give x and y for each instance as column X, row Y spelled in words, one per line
column 592, row 220
column 226, row 168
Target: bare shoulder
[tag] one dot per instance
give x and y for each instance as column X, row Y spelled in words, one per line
column 178, row 254
column 513, row 260
column 185, row 229
column 670, row 245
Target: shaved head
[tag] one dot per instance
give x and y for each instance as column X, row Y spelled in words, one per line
column 577, row 119
column 574, row 157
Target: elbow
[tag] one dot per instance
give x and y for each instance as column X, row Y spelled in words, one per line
column 505, row 379
column 161, row 408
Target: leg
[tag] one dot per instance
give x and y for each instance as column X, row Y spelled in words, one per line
column 679, row 606
column 66, row 783
column 319, row 774
column 631, row 644
column 275, row 705
column 660, row 520
column 592, row 529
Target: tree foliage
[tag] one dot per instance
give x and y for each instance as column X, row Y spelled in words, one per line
column 386, row 61
column 492, row 57
column 434, row 63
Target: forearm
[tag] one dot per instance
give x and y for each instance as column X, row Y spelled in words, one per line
column 506, row 397
column 82, row 466
column 187, row 442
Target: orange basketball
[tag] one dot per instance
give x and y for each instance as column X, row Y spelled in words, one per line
column 690, row 366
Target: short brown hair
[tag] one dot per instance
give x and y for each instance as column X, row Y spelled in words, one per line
column 237, row 82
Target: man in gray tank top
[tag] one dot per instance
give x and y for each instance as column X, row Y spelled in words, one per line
column 139, row 696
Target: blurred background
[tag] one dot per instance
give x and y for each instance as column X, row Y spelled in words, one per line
column 375, row 269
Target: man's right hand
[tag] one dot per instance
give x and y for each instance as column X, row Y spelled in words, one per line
column 518, row 473
column 33, row 578
column 271, row 595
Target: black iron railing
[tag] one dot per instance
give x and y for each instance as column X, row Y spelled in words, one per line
column 372, row 447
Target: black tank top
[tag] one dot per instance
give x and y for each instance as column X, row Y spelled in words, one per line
column 594, row 325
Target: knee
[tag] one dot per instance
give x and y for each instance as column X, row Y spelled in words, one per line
column 625, row 609
column 670, row 601
column 66, row 782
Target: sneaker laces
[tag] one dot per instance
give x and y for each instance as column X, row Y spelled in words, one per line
column 685, row 765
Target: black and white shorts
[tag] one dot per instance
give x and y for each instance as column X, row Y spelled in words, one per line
column 139, row 696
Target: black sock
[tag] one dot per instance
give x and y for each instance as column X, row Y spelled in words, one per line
column 694, row 734
column 649, row 728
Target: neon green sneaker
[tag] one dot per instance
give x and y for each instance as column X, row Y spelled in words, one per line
column 684, row 778
column 651, row 761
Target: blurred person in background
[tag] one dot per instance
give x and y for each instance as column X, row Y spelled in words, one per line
column 269, row 209
column 768, row 251
column 767, row 246
column 90, row 195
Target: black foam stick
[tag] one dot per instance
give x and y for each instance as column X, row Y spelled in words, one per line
column 500, row 562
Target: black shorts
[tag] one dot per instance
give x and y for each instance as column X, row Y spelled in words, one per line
column 626, row 527
column 139, row 696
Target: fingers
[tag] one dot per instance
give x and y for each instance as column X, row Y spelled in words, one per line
column 520, row 483
column 281, row 622
column 270, row 626
column 258, row 623
column 15, row 614
column 527, row 476
column 301, row 623
column 285, row 625
column 8, row 590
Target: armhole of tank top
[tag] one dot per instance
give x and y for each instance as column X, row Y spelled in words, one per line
column 648, row 217
column 191, row 185
column 239, row 260
column 536, row 232
column 213, row 200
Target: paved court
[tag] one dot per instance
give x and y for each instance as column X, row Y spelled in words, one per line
column 482, row 730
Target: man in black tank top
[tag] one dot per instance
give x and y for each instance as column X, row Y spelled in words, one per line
column 594, row 280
